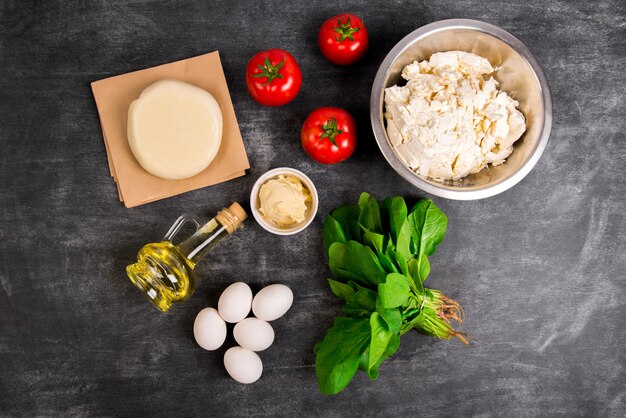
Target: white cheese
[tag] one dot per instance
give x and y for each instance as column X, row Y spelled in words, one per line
column 448, row 121
column 174, row 129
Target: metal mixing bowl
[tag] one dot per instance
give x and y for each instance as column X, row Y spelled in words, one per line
column 518, row 73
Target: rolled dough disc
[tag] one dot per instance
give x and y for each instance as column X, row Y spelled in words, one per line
column 174, row 129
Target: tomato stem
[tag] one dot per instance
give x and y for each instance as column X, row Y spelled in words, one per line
column 331, row 131
column 270, row 71
column 344, row 30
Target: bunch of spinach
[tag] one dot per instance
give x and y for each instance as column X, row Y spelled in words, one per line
column 378, row 254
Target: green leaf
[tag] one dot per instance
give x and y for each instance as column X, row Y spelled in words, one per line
column 400, row 260
column 428, row 227
column 424, row 268
column 393, row 317
column 364, row 358
column 414, row 273
column 366, row 299
column 387, row 264
column 341, row 290
column 362, row 303
column 348, row 218
column 384, row 207
column 356, row 286
column 380, row 336
column 392, row 347
column 399, row 229
column 395, row 291
column 336, row 256
column 403, row 243
column 345, row 275
column 364, row 198
column 362, row 261
column 333, row 232
column 338, row 354
column 375, row 241
column 369, row 217
column 354, row 311
column 397, row 216
column 337, row 261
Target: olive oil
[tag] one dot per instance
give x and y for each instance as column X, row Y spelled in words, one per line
column 163, row 272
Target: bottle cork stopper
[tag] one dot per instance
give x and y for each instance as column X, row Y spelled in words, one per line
column 238, row 211
column 232, row 217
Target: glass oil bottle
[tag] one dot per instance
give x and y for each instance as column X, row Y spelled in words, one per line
column 163, row 272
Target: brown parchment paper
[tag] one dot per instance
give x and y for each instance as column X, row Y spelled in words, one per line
column 113, row 97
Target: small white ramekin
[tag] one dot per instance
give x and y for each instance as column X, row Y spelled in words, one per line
column 311, row 210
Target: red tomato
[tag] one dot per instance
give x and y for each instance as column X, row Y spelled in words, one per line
column 343, row 39
column 329, row 135
column 273, row 77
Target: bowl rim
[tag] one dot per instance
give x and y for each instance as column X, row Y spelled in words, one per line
column 254, row 193
column 381, row 136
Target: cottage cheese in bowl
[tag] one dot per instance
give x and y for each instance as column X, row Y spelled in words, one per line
column 450, row 120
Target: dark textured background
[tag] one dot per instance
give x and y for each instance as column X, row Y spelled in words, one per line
column 540, row 269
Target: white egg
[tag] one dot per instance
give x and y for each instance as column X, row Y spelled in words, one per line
column 272, row 302
column 235, row 302
column 243, row 365
column 254, row 334
column 209, row 329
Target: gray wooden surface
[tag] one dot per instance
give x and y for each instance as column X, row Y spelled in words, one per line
column 540, row 269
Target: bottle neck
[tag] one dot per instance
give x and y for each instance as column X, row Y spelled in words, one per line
column 204, row 239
